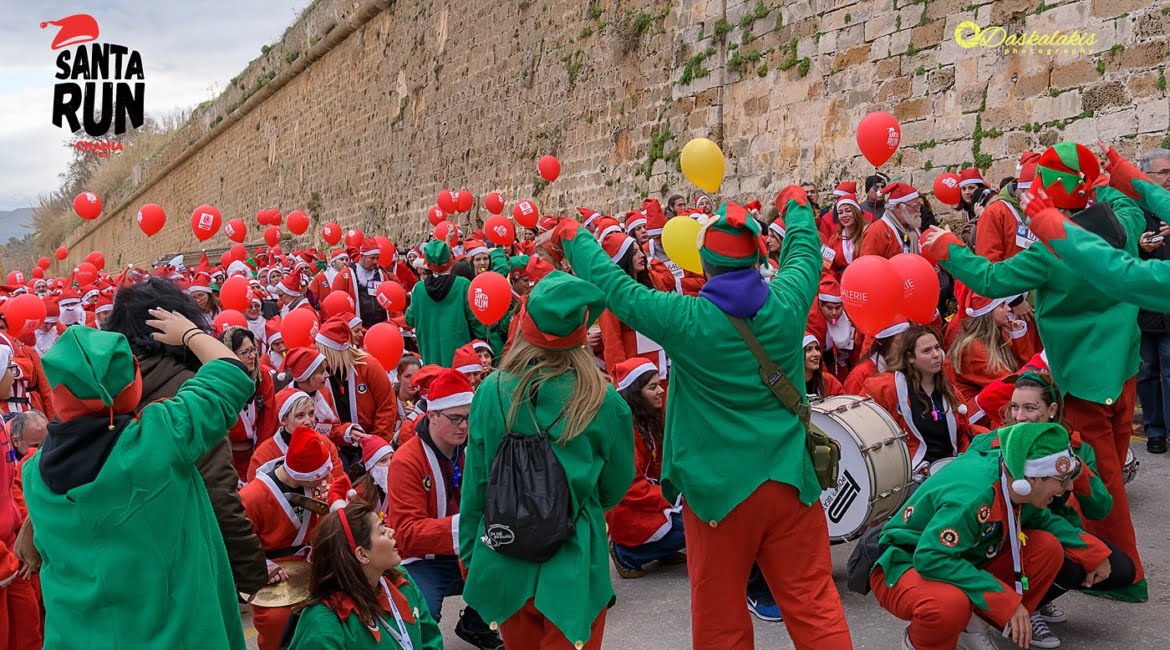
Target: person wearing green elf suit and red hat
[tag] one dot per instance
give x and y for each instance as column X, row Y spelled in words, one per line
column 439, row 311
column 735, row 453
column 1090, row 336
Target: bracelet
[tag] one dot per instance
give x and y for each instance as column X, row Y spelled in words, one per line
column 187, row 338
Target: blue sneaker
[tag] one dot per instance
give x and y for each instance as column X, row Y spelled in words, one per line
column 767, row 612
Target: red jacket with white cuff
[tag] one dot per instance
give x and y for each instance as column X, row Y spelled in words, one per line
column 423, row 499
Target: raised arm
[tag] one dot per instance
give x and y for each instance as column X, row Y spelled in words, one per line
column 1027, row 270
column 800, row 257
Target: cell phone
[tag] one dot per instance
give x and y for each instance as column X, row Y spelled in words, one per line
column 1155, row 239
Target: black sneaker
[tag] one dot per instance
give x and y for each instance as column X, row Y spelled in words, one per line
column 1156, row 445
column 473, row 630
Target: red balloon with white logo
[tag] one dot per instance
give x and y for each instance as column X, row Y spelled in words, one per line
column 494, row 203
column 272, row 235
column 24, row 313
column 205, row 221
column 526, row 213
column 85, row 273
column 298, row 222
column 299, row 328
column 447, row 201
column 391, row 296
column 499, row 230
column 15, row 278
column 871, row 292
column 920, row 288
column 436, row 215
column 384, row 342
column 227, row 318
column 354, row 238
column 465, row 201
column 878, row 137
column 489, row 295
column 87, row 205
column 236, row 230
column 946, row 188
column 331, row 233
column 151, row 219
column 549, row 167
column 61, row 253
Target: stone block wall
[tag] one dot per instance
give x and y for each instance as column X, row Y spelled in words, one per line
column 364, row 111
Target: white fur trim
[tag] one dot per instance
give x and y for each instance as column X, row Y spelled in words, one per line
column 198, row 287
column 851, row 202
column 450, row 401
column 285, row 290
column 287, row 404
column 593, row 217
column 471, row 367
column 971, row 181
column 329, row 343
column 315, row 475
column 476, row 251
column 778, row 229
column 634, row 223
column 1046, row 466
column 609, row 230
column 653, row 231
column 903, row 199
column 634, row 374
column 103, row 309
column 338, row 505
column 311, row 369
column 623, row 249
column 354, row 322
column 892, row 330
column 988, row 308
column 824, row 297
column 1023, row 185
column 807, row 340
column 383, row 451
column 480, row 345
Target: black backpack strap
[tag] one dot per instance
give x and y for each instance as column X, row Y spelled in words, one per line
column 779, row 383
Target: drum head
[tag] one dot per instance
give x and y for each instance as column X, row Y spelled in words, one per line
column 847, row 505
column 937, row 465
column 293, row 591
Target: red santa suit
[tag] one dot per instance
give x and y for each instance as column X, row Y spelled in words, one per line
column 891, row 391
column 30, row 388
column 366, row 388
column 275, row 445
column 255, row 424
column 884, row 238
column 20, row 614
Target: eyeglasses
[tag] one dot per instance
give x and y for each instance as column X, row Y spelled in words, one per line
column 455, row 419
column 250, row 352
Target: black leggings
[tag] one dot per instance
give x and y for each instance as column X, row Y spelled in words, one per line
column 1071, row 576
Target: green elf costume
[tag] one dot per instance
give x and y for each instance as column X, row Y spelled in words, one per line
column 333, row 624
column 132, row 555
column 734, row 452
column 1090, row 337
column 439, row 312
column 562, row 600
column 963, row 541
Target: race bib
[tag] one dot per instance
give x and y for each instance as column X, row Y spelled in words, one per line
column 1024, row 236
column 323, row 428
column 827, row 255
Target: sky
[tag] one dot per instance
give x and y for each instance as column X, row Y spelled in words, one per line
column 190, row 50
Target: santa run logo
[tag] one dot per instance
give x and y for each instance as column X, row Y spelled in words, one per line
column 102, row 84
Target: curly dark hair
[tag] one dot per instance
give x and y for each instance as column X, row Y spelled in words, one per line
column 647, row 419
column 130, row 314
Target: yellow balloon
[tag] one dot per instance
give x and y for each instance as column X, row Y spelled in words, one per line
column 702, row 164
column 680, row 240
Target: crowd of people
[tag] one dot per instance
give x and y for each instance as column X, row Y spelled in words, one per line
column 167, row 460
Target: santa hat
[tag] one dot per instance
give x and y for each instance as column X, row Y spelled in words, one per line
column 437, row 255
column 897, row 193
column 893, row 330
column 559, row 311
column 369, row 247
column 971, row 176
column 285, row 400
column 616, row 245
column 978, row 306
column 337, row 254
column 272, row 332
column 808, row 340
column 1036, row 450
column 75, row 30
column 1027, row 169
column 731, row 239
column 104, row 304
column 634, row 219
column 655, row 217
column 845, row 188
column 588, row 216
column 91, row 372
column 52, row 309
column 334, row 334
column 350, row 319
column 69, row 297
column 478, row 345
column 374, row 449
column 547, row 223
column 307, row 458
column 88, row 292
column 630, row 370
column 848, row 199
column 537, row 269
column 466, row 360
column 754, row 205
column 777, row 227
column 829, row 290
column 291, row 285
column 606, row 226
column 1067, row 172
column 448, row 390
column 201, row 282
column 473, row 247
column 422, row 379
column 301, row 363
column 341, row 490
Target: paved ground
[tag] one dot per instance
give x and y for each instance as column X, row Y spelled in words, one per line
column 653, row 612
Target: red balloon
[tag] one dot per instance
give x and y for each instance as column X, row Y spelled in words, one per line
column 238, row 253
column 299, row 328
column 44, row 262
column 920, row 287
column 97, row 259
column 525, row 213
column 225, row 258
column 465, row 201
column 205, row 222
column 24, row 314
column 262, row 217
column 87, row 205
column 225, row 319
column 38, row 272
column 298, row 222
column 235, row 293
column 151, row 219
column 236, row 230
column 871, row 291
column 446, row 201
column 489, row 295
column 62, row 253
column 354, row 238
column 549, row 167
column 15, row 278
column 494, row 203
column 385, row 249
column 499, row 230
column 274, row 217
column 436, row 215
column 331, row 233
column 946, row 188
column 85, row 273
column 446, row 231
column 878, row 136
column 335, row 303
column 272, row 235
column 276, row 251
column 384, row 342
column 391, row 296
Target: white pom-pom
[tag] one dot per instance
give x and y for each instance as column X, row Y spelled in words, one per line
column 1022, row 487
column 767, row 272
column 703, row 219
column 962, row 409
column 337, row 505
column 352, row 494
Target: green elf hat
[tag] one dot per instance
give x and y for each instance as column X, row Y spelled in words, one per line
column 731, row 239
column 1067, row 172
column 91, row 371
column 1035, row 450
column 437, row 255
column 560, row 310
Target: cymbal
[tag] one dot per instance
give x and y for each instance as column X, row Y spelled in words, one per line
column 293, row 591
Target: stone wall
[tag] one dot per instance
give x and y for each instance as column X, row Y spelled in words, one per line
column 364, row 111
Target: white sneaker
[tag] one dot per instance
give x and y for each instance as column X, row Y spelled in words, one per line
column 906, row 645
column 1052, row 614
column 1042, row 637
column 979, row 636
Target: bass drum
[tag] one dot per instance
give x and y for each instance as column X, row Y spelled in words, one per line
column 875, row 465
column 1129, row 470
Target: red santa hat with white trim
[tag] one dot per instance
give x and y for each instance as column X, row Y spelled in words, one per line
column 900, row 325
column 335, row 334
column 978, row 305
column 104, row 304
column 479, row 345
column 290, row 285
column 588, row 216
column 777, row 227
column 449, row 390
column 272, row 332
column 635, row 218
column 897, row 193
column 971, row 176
column 374, row 449
column 301, row 363
column 848, row 199
column 845, row 188
column 606, row 226
column 616, row 245
column 285, row 400
column 466, row 360
column 807, row 340
column 630, row 370
column 307, row 458
column 473, row 247
column 1027, row 169
column 201, row 282
column 655, row 217
column 829, row 290
column 350, row 319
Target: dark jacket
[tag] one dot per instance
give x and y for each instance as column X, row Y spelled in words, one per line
column 161, row 377
column 1153, row 322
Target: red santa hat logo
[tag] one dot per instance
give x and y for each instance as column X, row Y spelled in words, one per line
column 74, row 30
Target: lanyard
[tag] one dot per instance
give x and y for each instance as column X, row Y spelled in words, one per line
column 1014, row 536
column 400, row 635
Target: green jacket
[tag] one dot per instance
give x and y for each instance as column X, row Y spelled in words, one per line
column 1091, row 337
column 321, row 629
column 726, row 433
column 443, row 325
column 956, row 522
column 135, row 558
column 573, row 586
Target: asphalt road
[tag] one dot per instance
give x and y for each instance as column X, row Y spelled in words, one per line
column 653, row 612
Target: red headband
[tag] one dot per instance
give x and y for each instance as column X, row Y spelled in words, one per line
column 348, row 532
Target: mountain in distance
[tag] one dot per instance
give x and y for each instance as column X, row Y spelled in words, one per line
column 15, row 223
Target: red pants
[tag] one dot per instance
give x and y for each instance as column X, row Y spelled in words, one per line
column 269, row 622
column 1108, row 429
column 938, row 612
column 21, row 627
column 528, row 629
column 791, row 543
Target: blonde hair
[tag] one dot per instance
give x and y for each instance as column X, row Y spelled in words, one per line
column 531, row 363
column 342, row 360
column 295, row 406
column 982, row 329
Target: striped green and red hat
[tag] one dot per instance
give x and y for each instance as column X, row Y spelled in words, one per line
column 731, row 239
column 1067, row 172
